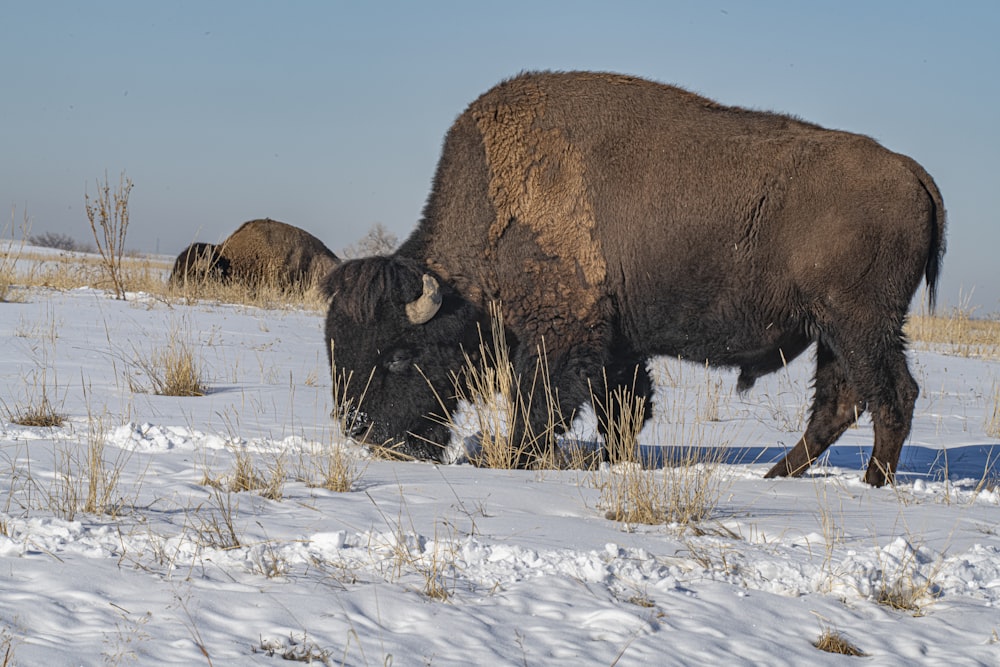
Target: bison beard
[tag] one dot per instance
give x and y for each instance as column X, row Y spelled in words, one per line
column 615, row 219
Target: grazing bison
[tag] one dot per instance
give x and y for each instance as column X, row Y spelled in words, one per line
column 272, row 253
column 199, row 263
column 615, row 219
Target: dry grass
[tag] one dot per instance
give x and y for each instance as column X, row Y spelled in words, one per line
column 333, row 468
column 685, row 491
column 245, row 476
column 8, row 641
column 72, row 270
column 40, row 413
column 260, row 295
column 12, row 252
column 38, row 408
column 833, row 641
column 405, row 551
column 959, row 331
column 173, row 370
column 991, row 422
column 906, row 578
column 501, row 409
column 215, row 525
column 138, row 273
column 88, row 482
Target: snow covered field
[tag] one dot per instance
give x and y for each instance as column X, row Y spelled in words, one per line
column 451, row 564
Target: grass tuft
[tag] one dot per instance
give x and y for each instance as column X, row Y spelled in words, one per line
column 173, row 370
column 902, row 583
column 501, row 405
column 833, row 641
column 685, row 491
column 334, row 469
column 41, row 414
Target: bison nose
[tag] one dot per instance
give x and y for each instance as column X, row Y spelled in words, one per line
column 356, row 422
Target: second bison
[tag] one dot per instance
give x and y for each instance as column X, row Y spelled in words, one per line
column 260, row 253
column 271, row 253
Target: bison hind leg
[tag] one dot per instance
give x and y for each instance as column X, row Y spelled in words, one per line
column 836, row 405
column 892, row 416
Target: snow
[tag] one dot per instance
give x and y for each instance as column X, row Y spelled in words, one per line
column 527, row 567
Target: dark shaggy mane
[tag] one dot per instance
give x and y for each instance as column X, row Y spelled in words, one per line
column 358, row 286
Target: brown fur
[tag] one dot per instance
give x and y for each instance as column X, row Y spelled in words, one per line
column 268, row 252
column 538, row 179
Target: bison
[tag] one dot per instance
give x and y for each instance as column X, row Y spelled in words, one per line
column 271, row 253
column 199, row 263
column 615, row 219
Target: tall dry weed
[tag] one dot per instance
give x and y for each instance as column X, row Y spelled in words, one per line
column 10, row 254
column 991, row 423
column 501, row 402
column 108, row 214
column 88, row 480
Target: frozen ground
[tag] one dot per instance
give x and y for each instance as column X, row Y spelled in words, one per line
column 527, row 568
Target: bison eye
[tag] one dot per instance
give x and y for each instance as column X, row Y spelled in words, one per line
column 399, row 361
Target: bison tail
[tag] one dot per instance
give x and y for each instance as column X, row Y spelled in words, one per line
column 935, row 252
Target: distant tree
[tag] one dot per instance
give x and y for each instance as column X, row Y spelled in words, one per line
column 54, row 240
column 378, row 241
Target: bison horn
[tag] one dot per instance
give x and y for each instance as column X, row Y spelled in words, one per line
column 425, row 306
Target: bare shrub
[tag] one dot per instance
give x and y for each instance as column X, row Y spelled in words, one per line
column 378, row 241
column 55, row 240
column 109, row 213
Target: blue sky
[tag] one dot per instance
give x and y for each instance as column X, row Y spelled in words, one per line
column 330, row 115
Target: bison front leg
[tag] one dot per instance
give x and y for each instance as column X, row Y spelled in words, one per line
column 836, row 405
column 623, row 409
column 551, row 388
column 539, row 416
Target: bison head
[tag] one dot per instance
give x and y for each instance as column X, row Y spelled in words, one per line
column 199, row 263
column 395, row 335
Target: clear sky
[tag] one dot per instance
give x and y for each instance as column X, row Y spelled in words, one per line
column 330, row 115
